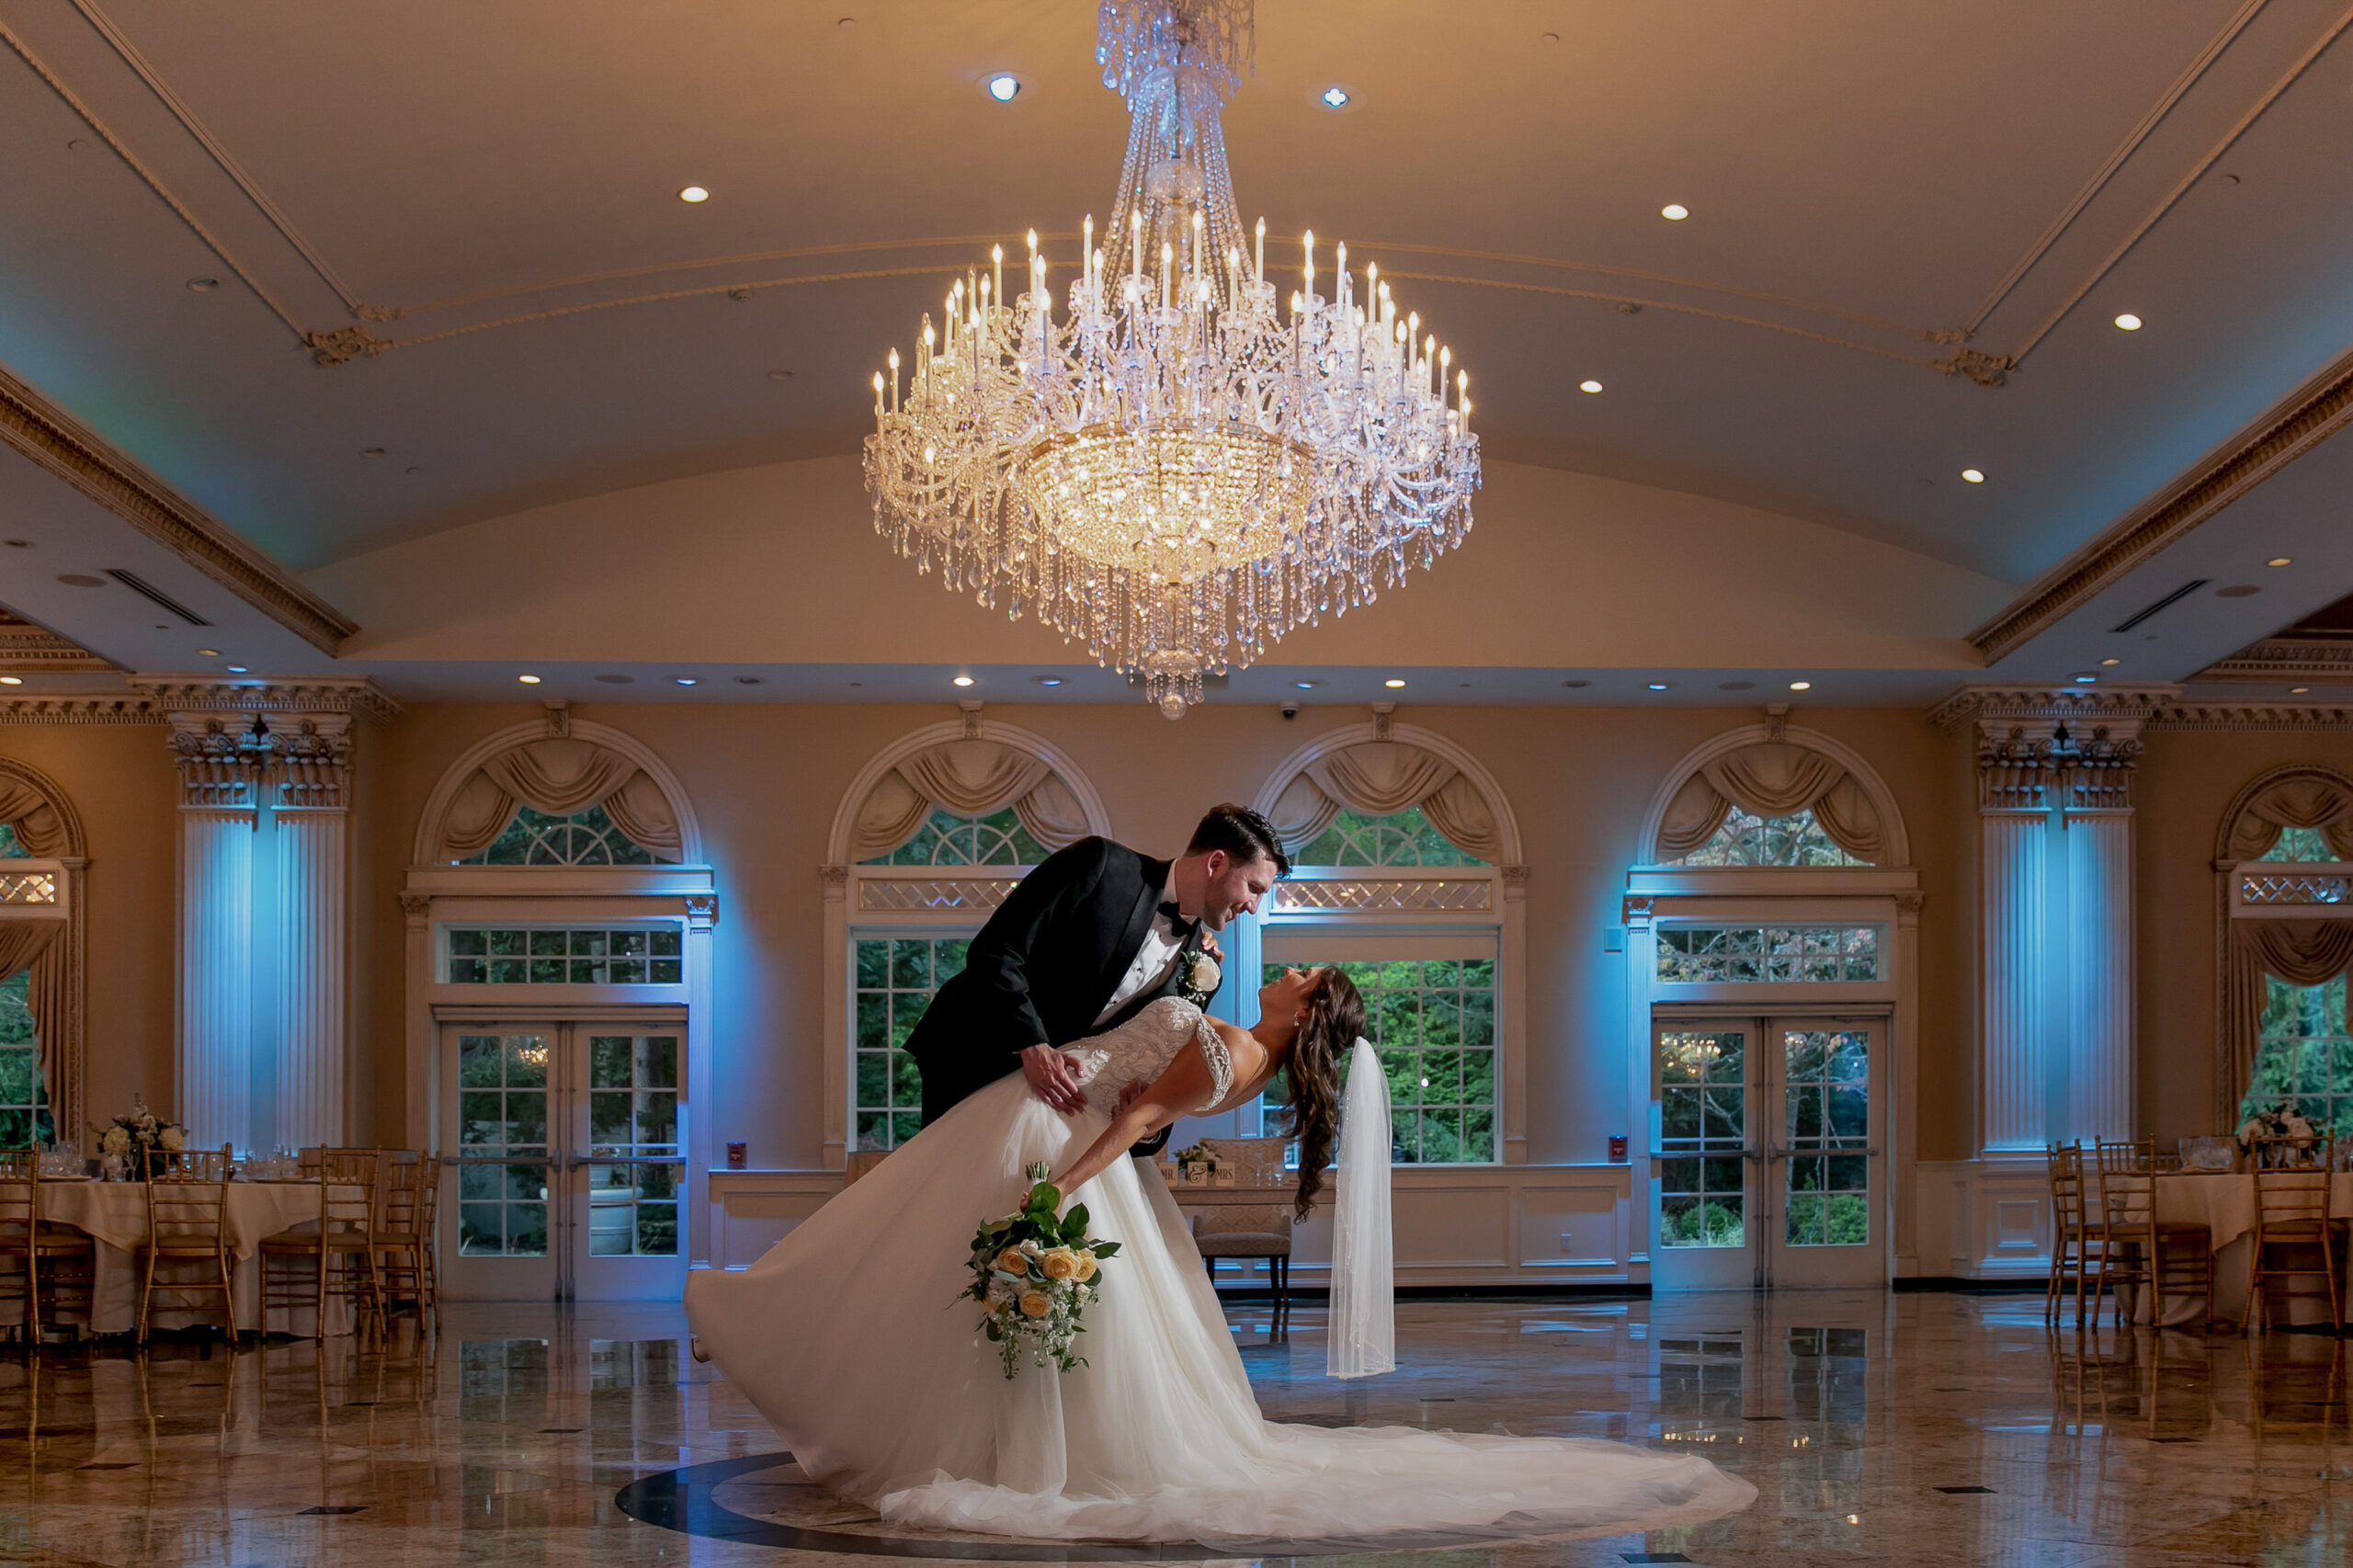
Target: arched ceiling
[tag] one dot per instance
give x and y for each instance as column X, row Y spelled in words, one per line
column 455, row 282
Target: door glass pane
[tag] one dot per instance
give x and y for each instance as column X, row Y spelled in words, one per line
column 503, row 1110
column 1703, row 1131
column 633, row 1130
column 1825, row 1077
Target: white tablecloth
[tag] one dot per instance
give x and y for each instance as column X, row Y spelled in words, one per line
column 115, row 1214
column 2224, row 1203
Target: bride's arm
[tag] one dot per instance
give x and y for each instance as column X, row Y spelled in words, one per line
column 1183, row 1087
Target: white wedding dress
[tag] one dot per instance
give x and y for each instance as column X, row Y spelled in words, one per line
column 848, row 1336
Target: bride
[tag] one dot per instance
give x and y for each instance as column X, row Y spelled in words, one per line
column 848, row 1335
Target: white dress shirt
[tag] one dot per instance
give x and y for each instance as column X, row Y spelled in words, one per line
column 1153, row 959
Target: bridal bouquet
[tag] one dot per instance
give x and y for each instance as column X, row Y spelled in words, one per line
column 138, row 1133
column 1033, row 1274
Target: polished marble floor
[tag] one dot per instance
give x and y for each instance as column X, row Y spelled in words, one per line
column 1946, row 1430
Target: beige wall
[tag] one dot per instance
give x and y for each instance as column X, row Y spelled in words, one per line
column 122, row 783
column 767, row 780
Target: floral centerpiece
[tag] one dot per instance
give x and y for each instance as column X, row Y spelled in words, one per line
column 2280, row 1122
column 1034, row 1273
column 132, row 1138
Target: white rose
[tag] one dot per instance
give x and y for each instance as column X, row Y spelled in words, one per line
column 1206, row 974
column 115, row 1142
column 174, row 1139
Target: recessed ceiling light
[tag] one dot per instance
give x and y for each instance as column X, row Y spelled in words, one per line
column 616, row 681
column 1675, row 211
column 1003, row 87
column 846, row 23
column 529, row 680
column 236, row 669
column 1801, row 686
column 1549, row 38
column 961, row 680
column 1577, row 685
column 1973, row 475
column 1307, row 685
column 749, row 681
column 81, row 580
column 2298, row 691
column 687, row 680
column 779, row 375
column 2084, row 677
column 1392, row 684
column 1737, row 685
column 694, row 193
column 2277, row 561
column 371, row 451
column 1660, row 685
column 207, row 653
column 1047, row 680
column 12, row 680
column 2128, row 322
column 1334, row 98
column 2237, row 591
column 2111, row 662
column 202, row 285
column 1588, row 386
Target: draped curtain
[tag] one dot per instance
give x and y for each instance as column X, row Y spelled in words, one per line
column 1379, row 778
column 37, row 942
column 561, row 776
column 2301, row 952
column 2306, row 801
column 1773, row 778
column 968, row 779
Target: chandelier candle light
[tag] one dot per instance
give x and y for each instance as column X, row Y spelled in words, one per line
column 1177, row 472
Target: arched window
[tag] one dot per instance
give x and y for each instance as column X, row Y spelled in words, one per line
column 2286, row 841
column 590, row 837
column 1762, row 798
column 1399, row 842
column 1747, row 839
column 929, row 838
column 562, row 794
column 41, row 869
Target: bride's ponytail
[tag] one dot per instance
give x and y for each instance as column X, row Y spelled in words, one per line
column 1314, row 1074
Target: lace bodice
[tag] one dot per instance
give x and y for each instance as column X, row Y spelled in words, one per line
column 1141, row 1050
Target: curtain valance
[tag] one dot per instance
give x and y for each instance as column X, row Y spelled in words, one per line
column 40, row 827
column 39, row 943
column 2303, row 801
column 1378, row 778
column 560, row 775
column 2301, row 952
column 1773, row 778
column 968, row 779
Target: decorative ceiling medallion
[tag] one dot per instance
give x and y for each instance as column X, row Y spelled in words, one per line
column 1178, row 471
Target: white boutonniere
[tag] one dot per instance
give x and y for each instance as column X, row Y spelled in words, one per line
column 1200, row 978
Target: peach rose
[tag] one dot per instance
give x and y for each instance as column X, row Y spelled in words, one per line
column 1060, row 1264
column 1086, row 1266
column 1013, row 1260
column 1036, row 1303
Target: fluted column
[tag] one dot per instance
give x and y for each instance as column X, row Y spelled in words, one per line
column 2013, row 769
column 312, row 801
column 220, row 765
column 2097, row 827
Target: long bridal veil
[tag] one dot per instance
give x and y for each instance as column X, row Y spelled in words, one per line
column 1361, row 1339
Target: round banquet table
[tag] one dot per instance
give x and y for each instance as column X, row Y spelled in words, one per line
column 114, row 1213
column 2223, row 1201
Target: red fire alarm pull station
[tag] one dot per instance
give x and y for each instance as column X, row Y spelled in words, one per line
column 1617, row 1148
column 735, row 1155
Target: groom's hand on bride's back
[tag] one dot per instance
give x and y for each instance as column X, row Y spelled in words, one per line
column 1051, row 1079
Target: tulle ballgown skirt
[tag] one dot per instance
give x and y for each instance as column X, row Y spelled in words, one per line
column 848, row 1336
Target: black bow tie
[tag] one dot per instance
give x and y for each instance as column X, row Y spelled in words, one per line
column 1175, row 917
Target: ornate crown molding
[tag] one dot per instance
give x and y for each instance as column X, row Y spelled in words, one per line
column 49, row 436
column 2285, row 659
column 2195, row 717
column 2312, row 415
column 2040, row 746
column 315, row 694
column 79, row 710
column 25, row 646
column 2060, row 704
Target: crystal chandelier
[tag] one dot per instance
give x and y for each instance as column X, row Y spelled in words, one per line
column 1177, row 472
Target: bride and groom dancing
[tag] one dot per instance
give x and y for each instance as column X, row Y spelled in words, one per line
column 1074, row 1035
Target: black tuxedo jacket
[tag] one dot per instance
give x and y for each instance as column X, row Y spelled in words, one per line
column 1042, row 969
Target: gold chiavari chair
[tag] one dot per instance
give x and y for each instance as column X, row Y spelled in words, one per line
column 188, row 1224
column 2077, row 1239
column 341, row 1252
column 2291, row 1213
column 37, row 1256
column 1248, row 1231
column 2143, row 1250
column 404, row 1233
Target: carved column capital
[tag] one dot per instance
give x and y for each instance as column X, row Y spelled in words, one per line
column 2100, row 766
column 313, row 757
column 222, row 758
column 836, row 882
column 1515, row 883
column 2016, row 767
column 702, row 910
column 1634, row 909
column 417, row 906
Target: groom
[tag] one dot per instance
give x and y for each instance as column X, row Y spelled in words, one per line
column 1090, row 938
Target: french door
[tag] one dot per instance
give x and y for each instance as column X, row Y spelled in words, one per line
column 1768, row 1164
column 565, row 1177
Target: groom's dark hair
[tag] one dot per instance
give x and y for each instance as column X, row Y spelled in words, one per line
column 1242, row 834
